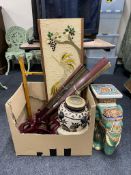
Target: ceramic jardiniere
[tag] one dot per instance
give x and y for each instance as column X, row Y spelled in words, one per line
column 73, row 114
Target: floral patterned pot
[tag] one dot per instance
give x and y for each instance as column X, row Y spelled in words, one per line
column 73, row 114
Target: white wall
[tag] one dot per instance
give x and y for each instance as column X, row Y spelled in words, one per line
column 124, row 21
column 17, row 12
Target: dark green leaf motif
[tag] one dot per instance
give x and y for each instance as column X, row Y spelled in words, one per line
column 53, row 38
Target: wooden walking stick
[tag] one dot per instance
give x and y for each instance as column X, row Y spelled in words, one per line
column 25, row 85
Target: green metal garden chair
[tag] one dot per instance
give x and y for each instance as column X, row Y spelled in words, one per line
column 15, row 36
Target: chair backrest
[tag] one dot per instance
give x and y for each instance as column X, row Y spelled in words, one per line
column 15, row 36
column 29, row 34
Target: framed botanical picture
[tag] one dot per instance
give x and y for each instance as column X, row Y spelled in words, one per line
column 61, row 43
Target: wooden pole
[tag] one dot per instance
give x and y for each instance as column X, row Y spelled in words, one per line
column 25, row 86
column 34, row 73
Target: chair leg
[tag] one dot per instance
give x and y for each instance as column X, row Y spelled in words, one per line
column 8, row 68
column 2, row 86
column 29, row 57
column 28, row 65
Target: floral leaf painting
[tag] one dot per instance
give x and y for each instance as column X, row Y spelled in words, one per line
column 55, row 88
column 66, row 55
column 67, row 62
column 70, row 31
column 61, row 46
column 54, row 38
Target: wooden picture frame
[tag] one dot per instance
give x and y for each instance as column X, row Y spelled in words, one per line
column 61, row 42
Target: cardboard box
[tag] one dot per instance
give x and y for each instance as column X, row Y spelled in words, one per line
column 46, row 145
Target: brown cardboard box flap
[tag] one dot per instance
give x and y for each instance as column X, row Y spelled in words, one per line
column 17, row 102
column 36, row 90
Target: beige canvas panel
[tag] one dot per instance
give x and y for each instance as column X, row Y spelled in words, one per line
column 57, row 69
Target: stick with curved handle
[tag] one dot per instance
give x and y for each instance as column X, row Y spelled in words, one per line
column 25, row 86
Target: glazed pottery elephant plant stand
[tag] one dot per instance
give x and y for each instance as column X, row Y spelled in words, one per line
column 109, row 116
column 108, row 127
